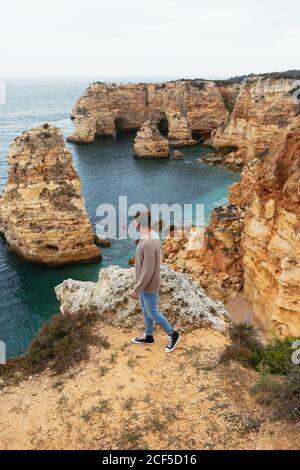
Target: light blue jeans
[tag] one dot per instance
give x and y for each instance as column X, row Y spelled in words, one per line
column 152, row 314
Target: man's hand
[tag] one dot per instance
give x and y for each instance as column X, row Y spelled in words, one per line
column 133, row 295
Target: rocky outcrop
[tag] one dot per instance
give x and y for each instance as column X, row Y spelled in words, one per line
column 150, row 143
column 182, row 300
column 185, row 111
column 231, row 160
column 263, row 109
column 217, row 265
column 42, row 212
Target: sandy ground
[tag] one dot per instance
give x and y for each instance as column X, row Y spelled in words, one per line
column 132, row 396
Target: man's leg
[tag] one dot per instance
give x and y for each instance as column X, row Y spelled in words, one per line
column 150, row 305
column 149, row 325
column 149, row 322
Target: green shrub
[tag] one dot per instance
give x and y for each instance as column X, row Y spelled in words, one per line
column 60, row 344
column 279, row 383
column 244, row 344
column 276, row 355
column 63, row 341
column 246, row 348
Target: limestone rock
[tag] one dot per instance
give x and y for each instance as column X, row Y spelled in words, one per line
column 177, row 155
column 217, row 266
column 229, row 92
column 271, row 241
column 183, row 301
column 263, row 109
column 186, row 111
column 150, row 143
column 102, row 241
column 211, row 159
column 42, row 212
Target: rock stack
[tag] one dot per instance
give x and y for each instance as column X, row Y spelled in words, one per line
column 42, row 211
column 150, row 143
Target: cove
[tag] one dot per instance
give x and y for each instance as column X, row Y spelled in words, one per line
column 107, row 169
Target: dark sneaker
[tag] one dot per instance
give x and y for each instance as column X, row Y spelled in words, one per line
column 144, row 340
column 173, row 341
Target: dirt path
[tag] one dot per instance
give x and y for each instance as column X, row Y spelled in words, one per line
column 132, row 396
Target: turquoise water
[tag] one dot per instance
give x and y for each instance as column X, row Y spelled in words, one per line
column 107, row 170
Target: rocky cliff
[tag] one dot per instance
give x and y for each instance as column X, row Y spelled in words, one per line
column 269, row 190
column 42, row 212
column 255, row 241
column 184, row 110
column 150, row 143
column 217, row 266
column 183, row 301
column 263, row 108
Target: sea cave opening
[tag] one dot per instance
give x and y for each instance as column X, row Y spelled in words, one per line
column 201, row 135
column 118, row 123
column 163, row 127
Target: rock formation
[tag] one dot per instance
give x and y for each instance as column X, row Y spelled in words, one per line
column 263, row 109
column 217, row 266
column 229, row 92
column 182, row 300
column 270, row 192
column 42, row 212
column 260, row 250
column 150, row 143
column 185, row 111
column 177, row 155
column 102, row 241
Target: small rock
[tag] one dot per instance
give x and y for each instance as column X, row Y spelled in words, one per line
column 101, row 241
column 177, row 155
column 131, row 261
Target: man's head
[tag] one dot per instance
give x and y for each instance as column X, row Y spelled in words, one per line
column 143, row 221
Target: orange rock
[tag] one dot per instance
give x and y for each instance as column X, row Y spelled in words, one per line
column 42, row 212
column 186, row 111
column 263, row 109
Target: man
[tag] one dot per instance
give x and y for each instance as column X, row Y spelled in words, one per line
column 147, row 273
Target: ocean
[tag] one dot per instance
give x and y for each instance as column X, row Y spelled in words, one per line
column 107, row 170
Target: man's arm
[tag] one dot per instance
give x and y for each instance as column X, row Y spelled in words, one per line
column 147, row 268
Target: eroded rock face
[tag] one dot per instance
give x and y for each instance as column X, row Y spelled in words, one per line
column 42, row 212
column 150, row 143
column 217, row 266
column 183, row 301
column 260, row 250
column 270, row 191
column 184, row 110
column 263, row 110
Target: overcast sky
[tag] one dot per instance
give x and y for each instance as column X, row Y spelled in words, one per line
column 153, row 38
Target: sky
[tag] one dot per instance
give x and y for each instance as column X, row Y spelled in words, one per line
column 148, row 39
